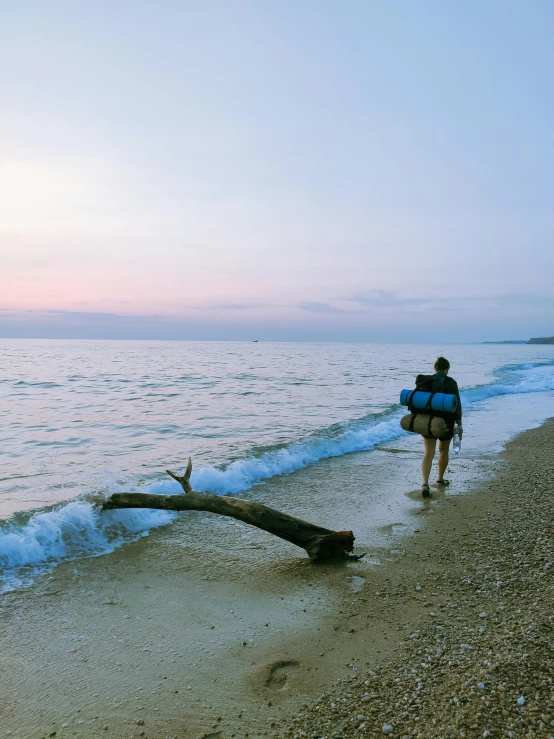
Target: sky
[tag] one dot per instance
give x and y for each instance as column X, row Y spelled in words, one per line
column 373, row 170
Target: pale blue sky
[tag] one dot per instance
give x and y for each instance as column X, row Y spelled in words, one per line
column 326, row 170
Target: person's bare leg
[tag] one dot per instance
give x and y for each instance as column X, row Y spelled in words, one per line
column 427, row 462
column 443, row 458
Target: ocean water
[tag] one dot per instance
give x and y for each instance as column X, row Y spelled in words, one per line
column 83, row 419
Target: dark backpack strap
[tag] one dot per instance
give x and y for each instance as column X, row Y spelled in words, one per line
column 428, row 404
column 412, row 421
column 429, row 401
column 429, row 425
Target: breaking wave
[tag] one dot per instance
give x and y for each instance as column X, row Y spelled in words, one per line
column 80, row 528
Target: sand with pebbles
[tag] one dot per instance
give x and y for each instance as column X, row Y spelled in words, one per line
column 478, row 661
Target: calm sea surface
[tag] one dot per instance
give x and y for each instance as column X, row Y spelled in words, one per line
column 83, row 417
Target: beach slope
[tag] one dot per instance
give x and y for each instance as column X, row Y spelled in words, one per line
column 449, row 635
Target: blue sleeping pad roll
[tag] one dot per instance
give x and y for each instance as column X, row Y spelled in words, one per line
column 419, row 399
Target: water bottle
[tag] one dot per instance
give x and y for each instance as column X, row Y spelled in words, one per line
column 456, row 441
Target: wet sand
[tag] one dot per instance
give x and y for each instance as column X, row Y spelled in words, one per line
column 210, row 628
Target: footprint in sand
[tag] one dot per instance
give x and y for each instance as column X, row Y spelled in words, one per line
column 279, row 672
column 212, row 735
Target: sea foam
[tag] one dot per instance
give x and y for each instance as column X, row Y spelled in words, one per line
column 515, row 380
column 70, row 531
column 243, row 474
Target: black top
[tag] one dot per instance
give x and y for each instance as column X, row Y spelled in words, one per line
column 444, row 384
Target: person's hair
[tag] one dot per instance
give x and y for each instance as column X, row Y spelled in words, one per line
column 442, row 365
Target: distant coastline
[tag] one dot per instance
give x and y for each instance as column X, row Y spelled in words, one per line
column 542, row 340
column 537, row 340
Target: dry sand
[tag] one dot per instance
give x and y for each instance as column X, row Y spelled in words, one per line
column 441, row 639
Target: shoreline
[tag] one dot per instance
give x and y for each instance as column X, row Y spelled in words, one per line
column 477, row 657
column 111, row 641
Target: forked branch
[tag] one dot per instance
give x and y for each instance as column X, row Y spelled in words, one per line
column 184, row 480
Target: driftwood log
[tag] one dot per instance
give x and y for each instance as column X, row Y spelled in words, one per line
column 319, row 543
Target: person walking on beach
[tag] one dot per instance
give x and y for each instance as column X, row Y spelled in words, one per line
column 444, row 384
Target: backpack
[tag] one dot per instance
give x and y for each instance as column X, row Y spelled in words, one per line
column 425, row 384
column 422, row 421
